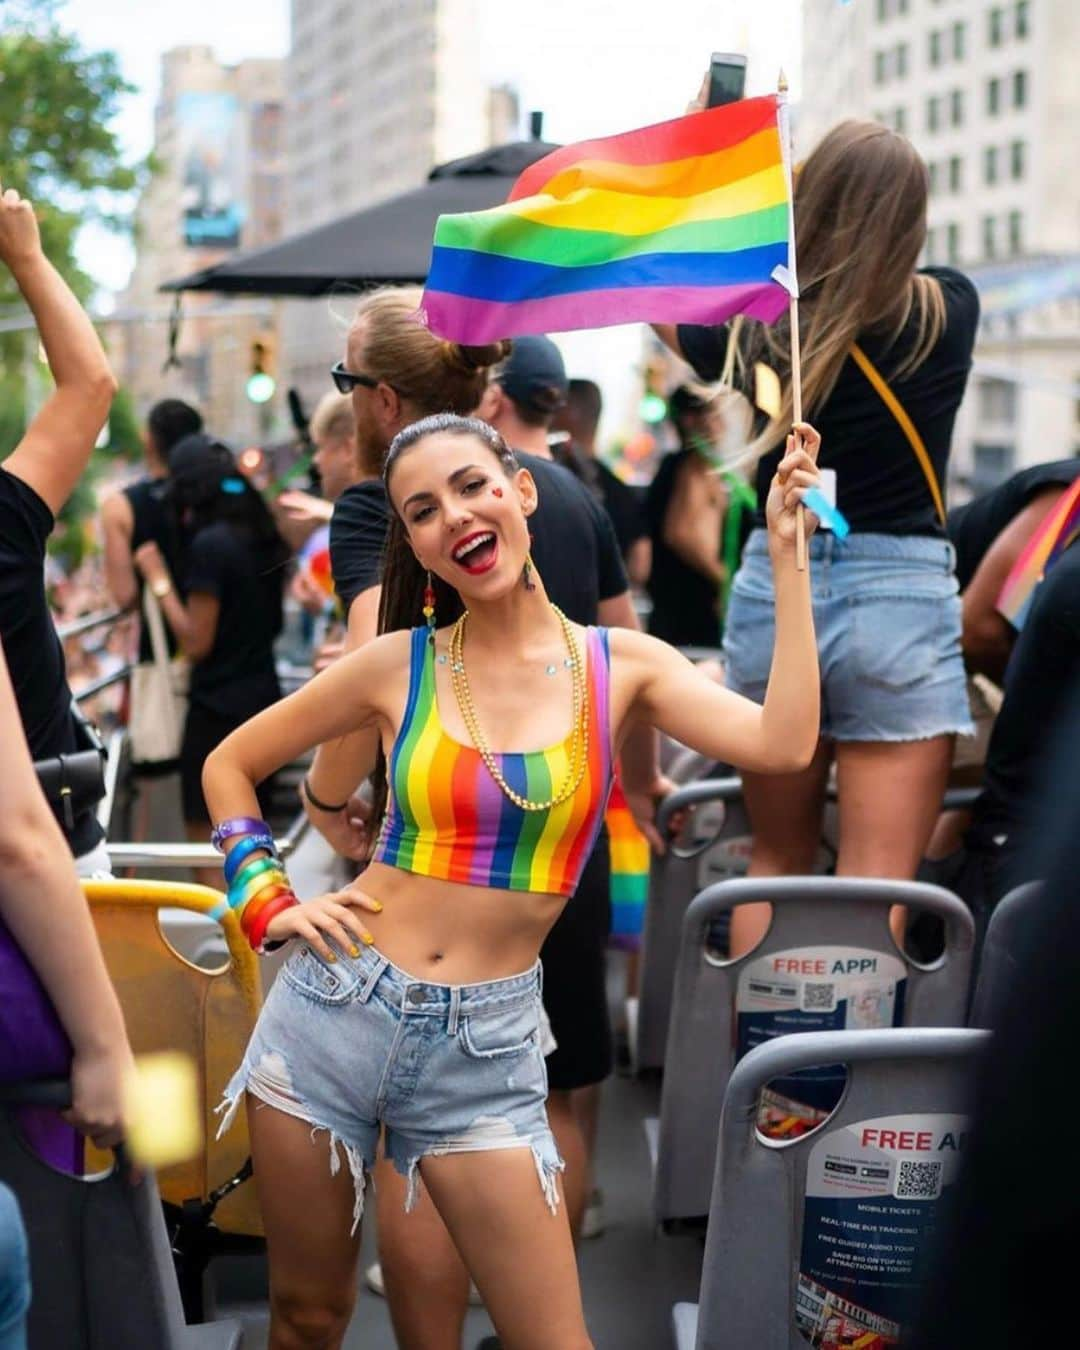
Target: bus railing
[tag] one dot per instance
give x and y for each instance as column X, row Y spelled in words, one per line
column 195, row 855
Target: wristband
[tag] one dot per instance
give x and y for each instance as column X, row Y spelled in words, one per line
column 228, row 829
column 254, row 908
column 243, row 850
column 240, row 896
column 258, row 929
column 254, row 867
column 318, row 805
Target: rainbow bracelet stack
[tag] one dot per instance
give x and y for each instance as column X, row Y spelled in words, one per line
column 258, row 887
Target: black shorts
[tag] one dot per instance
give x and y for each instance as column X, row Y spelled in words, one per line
column 204, row 731
column 575, row 988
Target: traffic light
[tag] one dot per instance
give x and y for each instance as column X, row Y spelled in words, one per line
column 653, row 406
column 260, row 382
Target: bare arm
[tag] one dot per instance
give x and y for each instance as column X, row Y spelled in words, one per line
column 52, row 456
column 694, row 518
column 41, row 903
column 987, row 636
column 194, row 624
column 117, row 526
column 781, row 735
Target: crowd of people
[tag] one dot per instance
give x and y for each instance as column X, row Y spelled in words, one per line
column 443, row 1018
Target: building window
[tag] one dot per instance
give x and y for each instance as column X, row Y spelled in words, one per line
column 901, row 60
column 997, row 401
column 1017, row 158
column 1016, row 225
column 934, row 52
column 989, row 236
column 991, row 465
column 933, row 113
column 1022, row 17
column 900, row 120
column 956, row 173
column 997, row 27
column 901, row 6
column 931, row 170
column 959, row 33
column 952, row 242
column 993, row 97
column 956, row 104
column 882, row 10
column 931, row 246
column 879, row 67
column 1019, row 88
column 990, row 164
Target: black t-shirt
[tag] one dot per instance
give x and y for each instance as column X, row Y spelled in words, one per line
column 153, row 519
column 684, row 611
column 974, row 526
column 34, row 655
column 1043, row 675
column 574, row 545
column 237, row 678
column 880, row 487
column 622, row 503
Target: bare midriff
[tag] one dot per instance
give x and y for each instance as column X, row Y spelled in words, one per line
column 452, row 933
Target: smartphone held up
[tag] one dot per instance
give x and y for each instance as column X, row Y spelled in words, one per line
column 727, row 78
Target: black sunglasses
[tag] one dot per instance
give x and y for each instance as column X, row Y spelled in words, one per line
column 345, row 381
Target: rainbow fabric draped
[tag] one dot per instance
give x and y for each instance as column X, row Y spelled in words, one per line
column 1043, row 549
column 629, row 885
column 682, row 222
column 448, row 818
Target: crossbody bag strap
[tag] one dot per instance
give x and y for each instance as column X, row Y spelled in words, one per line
column 906, row 425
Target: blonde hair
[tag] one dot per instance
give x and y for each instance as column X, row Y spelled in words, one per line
column 860, row 224
column 430, row 374
column 333, row 419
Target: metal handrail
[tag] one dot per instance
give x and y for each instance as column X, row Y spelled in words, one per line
column 195, row 855
column 96, row 686
column 88, row 621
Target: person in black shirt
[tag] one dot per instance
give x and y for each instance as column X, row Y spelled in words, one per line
column 684, row 509
column 36, row 480
column 989, row 533
column 233, row 567
column 141, row 511
column 579, row 418
column 886, row 606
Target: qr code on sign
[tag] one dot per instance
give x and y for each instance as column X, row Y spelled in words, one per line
column 918, row 1181
column 818, row 997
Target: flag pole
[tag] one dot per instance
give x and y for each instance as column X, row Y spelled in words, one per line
column 793, row 305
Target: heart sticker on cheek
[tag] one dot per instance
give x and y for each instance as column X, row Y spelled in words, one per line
column 497, row 492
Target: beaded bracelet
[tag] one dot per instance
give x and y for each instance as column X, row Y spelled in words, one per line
column 229, row 829
column 257, row 932
column 243, row 850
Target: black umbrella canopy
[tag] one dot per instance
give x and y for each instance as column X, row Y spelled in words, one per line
column 390, row 242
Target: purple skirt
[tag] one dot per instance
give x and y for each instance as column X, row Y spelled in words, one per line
column 33, row 1044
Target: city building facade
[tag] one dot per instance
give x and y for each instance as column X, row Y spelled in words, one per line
column 219, row 187
column 987, row 92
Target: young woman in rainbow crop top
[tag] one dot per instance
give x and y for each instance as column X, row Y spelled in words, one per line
column 412, row 1000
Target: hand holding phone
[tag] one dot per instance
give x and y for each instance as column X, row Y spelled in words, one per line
column 727, row 78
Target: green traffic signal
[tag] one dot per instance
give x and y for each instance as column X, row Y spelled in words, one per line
column 652, row 408
column 260, row 387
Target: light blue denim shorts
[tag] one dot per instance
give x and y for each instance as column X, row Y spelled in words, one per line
column 357, row 1045
column 887, row 618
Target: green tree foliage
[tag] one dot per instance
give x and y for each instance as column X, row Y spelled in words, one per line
column 125, row 433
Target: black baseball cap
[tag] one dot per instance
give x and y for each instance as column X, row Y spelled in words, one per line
column 534, row 375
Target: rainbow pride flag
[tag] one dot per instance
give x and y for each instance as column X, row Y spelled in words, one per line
column 687, row 221
column 629, row 884
column 1044, row 548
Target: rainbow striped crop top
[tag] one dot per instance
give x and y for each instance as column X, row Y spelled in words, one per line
column 446, row 817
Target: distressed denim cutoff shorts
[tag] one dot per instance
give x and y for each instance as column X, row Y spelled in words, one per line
column 359, row 1044
column 887, row 619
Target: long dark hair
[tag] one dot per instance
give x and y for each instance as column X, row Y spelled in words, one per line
column 401, row 602
column 206, row 487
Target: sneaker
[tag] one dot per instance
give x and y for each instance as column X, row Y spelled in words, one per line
column 592, row 1221
column 373, row 1278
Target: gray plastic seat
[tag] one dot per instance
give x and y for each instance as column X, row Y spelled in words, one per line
column 100, row 1260
column 827, row 962
column 1002, row 954
column 852, row 1204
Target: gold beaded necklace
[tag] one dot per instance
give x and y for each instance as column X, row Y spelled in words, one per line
column 579, row 736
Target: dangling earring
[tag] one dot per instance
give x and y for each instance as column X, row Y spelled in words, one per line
column 429, row 609
column 527, row 570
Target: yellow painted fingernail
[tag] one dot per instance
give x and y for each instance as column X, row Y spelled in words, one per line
column 377, row 906
column 354, row 950
column 369, row 939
